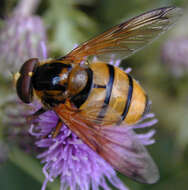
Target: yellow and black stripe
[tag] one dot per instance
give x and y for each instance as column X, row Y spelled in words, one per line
column 128, row 101
column 109, row 87
column 111, row 96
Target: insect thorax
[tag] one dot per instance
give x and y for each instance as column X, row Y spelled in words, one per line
column 50, row 82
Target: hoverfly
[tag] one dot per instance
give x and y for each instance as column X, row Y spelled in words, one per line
column 90, row 97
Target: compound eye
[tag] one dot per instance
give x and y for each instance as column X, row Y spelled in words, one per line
column 24, row 85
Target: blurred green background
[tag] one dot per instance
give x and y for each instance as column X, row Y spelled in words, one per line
column 70, row 22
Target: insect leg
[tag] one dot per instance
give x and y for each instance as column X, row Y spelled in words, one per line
column 36, row 114
column 57, row 128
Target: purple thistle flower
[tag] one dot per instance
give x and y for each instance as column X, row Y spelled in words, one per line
column 76, row 164
column 21, row 37
column 68, row 157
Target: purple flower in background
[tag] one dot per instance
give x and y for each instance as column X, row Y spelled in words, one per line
column 74, row 162
column 22, row 37
column 175, row 55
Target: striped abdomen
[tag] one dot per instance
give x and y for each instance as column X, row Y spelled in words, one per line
column 111, row 96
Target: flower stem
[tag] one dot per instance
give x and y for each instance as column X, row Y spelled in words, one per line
column 30, row 166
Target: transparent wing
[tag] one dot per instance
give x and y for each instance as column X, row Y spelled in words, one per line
column 96, row 111
column 122, row 150
column 125, row 39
